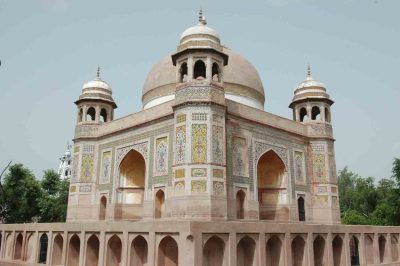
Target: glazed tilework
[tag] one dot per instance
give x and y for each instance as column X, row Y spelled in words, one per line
column 199, row 186
column 299, row 167
column 105, row 168
column 180, row 144
column 179, row 173
column 161, row 155
column 86, row 168
column 199, row 172
column 218, row 188
column 218, row 173
column 319, row 167
column 199, row 143
column 181, row 118
column 240, row 157
column 217, row 144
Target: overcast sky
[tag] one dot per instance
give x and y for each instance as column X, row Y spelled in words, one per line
column 50, row 48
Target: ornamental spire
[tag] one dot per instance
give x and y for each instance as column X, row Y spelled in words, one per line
column 202, row 18
column 98, row 73
column 309, row 70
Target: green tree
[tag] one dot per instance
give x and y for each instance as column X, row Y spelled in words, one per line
column 21, row 192
column 54, row 198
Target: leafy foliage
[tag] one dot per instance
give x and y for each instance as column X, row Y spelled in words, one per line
column 362, row 201
column 25, row 199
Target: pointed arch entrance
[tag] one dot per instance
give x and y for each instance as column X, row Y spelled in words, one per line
column 240, row 200
column 58, row 245
column 319, row 251
column 18, row 247
column 114, row 249
column 103, row 208
column 246, row 252
column 73, row 251
column 299, row 254
column 92, row 251
column 139, row 252
column 274, row 251
column 213, row 252
column 271, row 172
column 168, row 252
column 159, row 207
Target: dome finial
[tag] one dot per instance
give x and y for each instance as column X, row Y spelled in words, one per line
column 98, row 73
column 202, row 18
column 309, row 70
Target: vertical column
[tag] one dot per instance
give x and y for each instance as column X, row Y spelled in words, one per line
column 198, row 249
column 322, row 109
column 329, row 247
column 388, row 249
column 152, row 249
column 208, row 69
column 361, row 248
column 262, row 249
column 376, row 249
column 296, row 114
column 84, row 109
column 310, row 249
column 232, row 249
column 309, row 111
column 23, row 246
column 64, row 251
column 346, row 246
column 125, row 246
column 288, row 249
column 3, row 241
column 190, row 69
column 49, row 248
column 36, row 248
column 82, row 249
column 102, row 248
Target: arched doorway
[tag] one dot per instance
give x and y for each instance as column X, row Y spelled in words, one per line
column 159, row 204
column 73, row 251
column 246, row 252
column 92, row 251
column 57, row 250
column 139, row 251
column 240, row 200
column 114, row 249
column 369, row 249
column 30, row 247
column 270, row 180
column 168, row 252
column 199, row 70
column 18, row 247
column 301, row 208
column 9, row 246
column 319, row 251
column 395, row 248
column 103, row 208
column 354, row 252
column 132, row 178
column 338, row 254
column 382, row 249
column 274, row 251
column 299, row 257
column 214, row 252
column 44, row 242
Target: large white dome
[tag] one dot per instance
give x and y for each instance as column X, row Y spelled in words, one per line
column 241, row 82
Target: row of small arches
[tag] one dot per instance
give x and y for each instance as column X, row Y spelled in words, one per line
column 199, row 71
column 315, row 114
column 90, row 115
column 214, row 250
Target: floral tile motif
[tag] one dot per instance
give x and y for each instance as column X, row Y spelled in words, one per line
column 86, row 168
column 74, row 174
column 199, row 143
column 199, row 186
column 217, row 144
column 240, row 157
column 179, row 173
column 179, row 188
column 105, row 168
column 319, row 167
column 199, row 172
column 299, row 167
column 218, row 188
column 181, row 118
column 161, row 156
column 180, row 144
column 218, row 173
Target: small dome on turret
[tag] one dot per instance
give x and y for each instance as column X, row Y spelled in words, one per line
column 310, row 88
column 200, row 32
column 97, row 89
